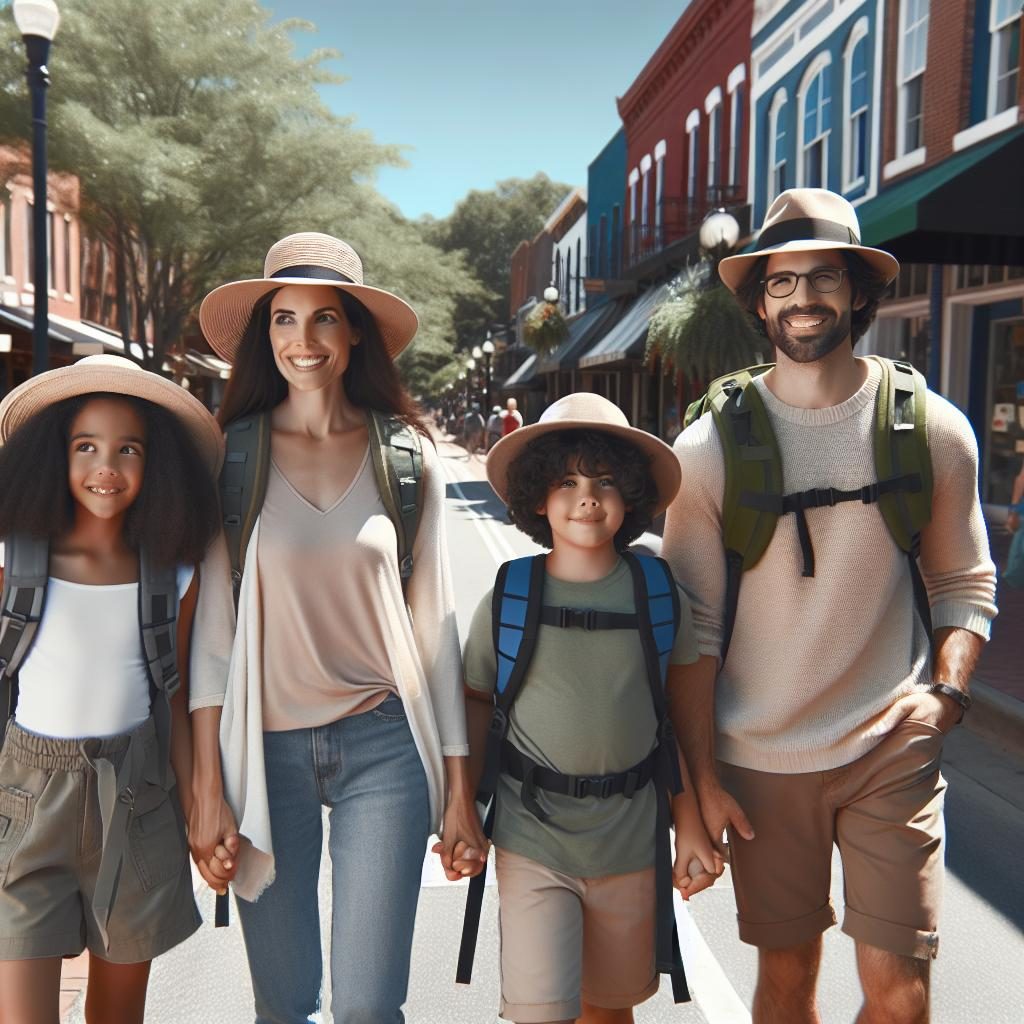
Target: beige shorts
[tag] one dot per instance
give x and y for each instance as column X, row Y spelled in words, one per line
column 883, row 811
column 50, row 845
column 566, row 938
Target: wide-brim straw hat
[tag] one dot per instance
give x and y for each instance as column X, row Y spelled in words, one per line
column 586, row 411
column 119, row 376
column 306, row 258
column 807, row 220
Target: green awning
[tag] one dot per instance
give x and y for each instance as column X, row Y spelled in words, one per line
column 967, row 209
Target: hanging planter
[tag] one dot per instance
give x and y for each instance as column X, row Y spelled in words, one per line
column 545, row 327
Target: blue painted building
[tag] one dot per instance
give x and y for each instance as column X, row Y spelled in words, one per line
column 606, row 189
column 816, row 91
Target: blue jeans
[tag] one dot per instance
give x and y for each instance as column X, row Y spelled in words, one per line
column 366, row 769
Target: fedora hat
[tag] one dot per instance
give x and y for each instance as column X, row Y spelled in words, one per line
column 586, row 411
column 806, row 220
column 119, row 376
column 307, row 258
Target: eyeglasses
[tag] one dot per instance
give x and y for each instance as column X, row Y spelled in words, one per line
column 821, row 279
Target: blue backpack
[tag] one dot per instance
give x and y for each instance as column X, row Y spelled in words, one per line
column 517, row 612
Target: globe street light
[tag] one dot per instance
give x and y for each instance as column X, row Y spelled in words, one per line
column 551, row 294
column 37, row 21
column 719, row 232
column 488, row 351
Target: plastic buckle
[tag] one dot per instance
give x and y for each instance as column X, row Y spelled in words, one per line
column 825, row 496
column 592, row 785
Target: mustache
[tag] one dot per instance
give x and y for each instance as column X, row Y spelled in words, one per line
column 822, row 311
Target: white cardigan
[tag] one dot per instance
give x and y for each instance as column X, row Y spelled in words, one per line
column 425, row 659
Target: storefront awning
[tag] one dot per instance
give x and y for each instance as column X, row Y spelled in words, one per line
column 524, row 376
column 582, row 332
column 68, row 332
column 969, row 209
column 626, row 339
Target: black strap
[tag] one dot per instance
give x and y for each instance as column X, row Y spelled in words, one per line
column 733, row 578
column 921, row 602
column 801, row 229
column 471, row 919
column 586, row 618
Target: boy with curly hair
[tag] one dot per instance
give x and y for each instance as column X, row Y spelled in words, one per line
column 588, row 755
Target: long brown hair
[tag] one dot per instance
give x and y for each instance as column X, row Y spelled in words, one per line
column 371, row 380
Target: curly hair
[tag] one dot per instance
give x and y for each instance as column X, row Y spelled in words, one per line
column 542, row 463
column 866, row 283
column 175, row 516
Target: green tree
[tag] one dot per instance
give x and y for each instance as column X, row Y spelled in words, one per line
column 486, row 226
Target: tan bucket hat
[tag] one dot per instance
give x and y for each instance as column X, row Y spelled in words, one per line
column 307, row 258
column 807, row 220
column 119, row 376
column 586, row 411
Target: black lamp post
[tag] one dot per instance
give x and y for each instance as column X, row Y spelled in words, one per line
column 486, row 351
column 37, row 20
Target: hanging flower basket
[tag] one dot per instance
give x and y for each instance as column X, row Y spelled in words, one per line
column 545, row 327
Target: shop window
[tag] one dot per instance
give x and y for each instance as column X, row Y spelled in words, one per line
column 913, row 58
column 815, row 124
column 1005, row 447
column 911, row 282
column 915, row 343
column 1004, row 24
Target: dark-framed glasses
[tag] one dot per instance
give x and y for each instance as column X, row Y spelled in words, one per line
column 821, row 279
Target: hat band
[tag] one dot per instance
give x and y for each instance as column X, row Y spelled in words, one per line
column 312, row 271
column 806, row 229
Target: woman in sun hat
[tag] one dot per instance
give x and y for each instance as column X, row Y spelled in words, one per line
column 107, row 502
column 344, row 688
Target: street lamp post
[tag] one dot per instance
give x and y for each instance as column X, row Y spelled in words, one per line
column 37, row 20
column 488, row 352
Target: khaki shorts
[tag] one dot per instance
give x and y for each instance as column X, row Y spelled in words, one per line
column 883, row 811
column 50, row 845
column 563, row 938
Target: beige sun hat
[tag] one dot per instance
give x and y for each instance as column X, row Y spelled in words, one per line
column 307, row 258
column 586, row 411
column 807, row 220
column 119, row 376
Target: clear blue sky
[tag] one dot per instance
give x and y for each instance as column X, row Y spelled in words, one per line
column 482, row 90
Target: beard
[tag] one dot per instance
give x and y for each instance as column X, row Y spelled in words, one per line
column 808, row 349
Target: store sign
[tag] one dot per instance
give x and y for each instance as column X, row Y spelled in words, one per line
column 1002, row 417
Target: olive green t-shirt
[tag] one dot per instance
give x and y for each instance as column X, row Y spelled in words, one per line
column 585, row 708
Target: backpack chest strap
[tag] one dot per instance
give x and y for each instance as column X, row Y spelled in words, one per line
column 586, row 618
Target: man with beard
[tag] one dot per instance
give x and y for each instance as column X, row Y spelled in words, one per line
column 822, row 720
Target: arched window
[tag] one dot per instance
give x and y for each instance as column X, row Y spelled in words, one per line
column 737, row 77
column 857, row 93
column 692, row 154
column 778, row 175
column 713, row 108
column 815, row 124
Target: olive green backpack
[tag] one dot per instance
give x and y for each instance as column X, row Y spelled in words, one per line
column 754, row 498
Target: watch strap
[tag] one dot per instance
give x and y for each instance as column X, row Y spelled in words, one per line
column 954, row 694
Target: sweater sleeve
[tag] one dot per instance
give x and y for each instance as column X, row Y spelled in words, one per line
column 432, row 605
column 692, row 544
column 213, row 629
column 955, row 560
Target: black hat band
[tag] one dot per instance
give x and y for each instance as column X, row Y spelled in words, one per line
column 310, row 270
column 806, row 229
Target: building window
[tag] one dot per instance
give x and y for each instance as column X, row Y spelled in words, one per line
column 777, row 144
column 568, row 280
column 659, row 187
column 857, row 109
column 579, row 269
column 714, row 146
column 645, row 200
column 67, row 254
column 692, row 160
column 735, row 135
column 815, row 125
column 1005, row 61
column 6, row 251
column 913, row 58
column 51, row 251
column 30, row 248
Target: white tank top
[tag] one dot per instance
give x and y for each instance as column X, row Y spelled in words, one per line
column 85, row 674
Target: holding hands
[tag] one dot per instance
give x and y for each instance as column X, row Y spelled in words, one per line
column 214, row 841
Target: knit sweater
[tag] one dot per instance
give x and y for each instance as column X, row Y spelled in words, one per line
column 815, row 664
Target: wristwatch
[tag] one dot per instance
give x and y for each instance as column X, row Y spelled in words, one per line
column 961, row 698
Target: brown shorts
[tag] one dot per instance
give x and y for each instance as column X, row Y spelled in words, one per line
column 883, row 811
column 50, row 845
column 563, row 938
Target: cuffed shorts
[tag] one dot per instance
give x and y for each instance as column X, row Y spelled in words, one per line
column 567, row 939
column 883, row 811
column 50, row 845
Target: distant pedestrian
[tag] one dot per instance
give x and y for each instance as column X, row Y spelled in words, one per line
column 494, row 425
column 343, row 687
column 513, row 417
column 829, row 529
column 473, row 429
column 107, row 504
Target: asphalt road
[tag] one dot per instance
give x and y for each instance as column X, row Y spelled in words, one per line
column 977, row 979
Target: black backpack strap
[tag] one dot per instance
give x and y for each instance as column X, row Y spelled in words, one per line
column 24, row 594
column 397, row 451
column 515, row 622
column 243, row 486
column 657, row 606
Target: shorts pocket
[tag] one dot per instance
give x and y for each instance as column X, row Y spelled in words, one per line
column 15, row 815
column 156, row 835
column 391, row 709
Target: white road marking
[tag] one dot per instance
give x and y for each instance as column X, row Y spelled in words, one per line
column 489, row 529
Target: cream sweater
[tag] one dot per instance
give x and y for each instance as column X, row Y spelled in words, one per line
column 425, row 663
column 816, row 663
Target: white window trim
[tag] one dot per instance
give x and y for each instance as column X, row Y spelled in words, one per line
column 779, row 100
column 713, row 99
column 857, row 33
column 634, row 176
column 645, row 163
column 985, row 129
column 737, row 77
column 993, row 31
column 692, row 120
column 904, row 163
column 660, row 150
column 901, row 82
column 822, row 61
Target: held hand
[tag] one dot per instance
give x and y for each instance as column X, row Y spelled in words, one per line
column 214, row 841
column 1013, row 521
column 697, row 864
column 720, row 811
column 463, row 846
column 931, row 708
